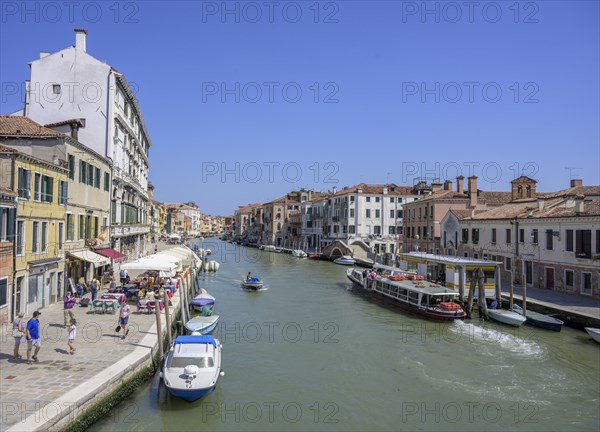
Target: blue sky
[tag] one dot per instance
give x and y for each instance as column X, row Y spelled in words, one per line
column 246, row 105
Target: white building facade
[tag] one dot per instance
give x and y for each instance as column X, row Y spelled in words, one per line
column 71, row 84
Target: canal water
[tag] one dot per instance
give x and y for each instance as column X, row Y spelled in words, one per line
column 310, row 353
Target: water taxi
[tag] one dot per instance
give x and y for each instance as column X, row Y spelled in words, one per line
column 412, row 293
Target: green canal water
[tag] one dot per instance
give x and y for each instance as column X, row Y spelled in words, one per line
column 310, row 353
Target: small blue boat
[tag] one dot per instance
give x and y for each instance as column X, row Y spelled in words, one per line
column 252, row 284
column 203, row 302
column 540, row 320
column 192, row 366
column 202, row 324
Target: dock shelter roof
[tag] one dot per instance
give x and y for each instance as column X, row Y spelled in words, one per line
column 450, row 260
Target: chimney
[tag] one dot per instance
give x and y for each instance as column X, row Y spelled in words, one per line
column 473, row 191
column 334, row 190
column 448, row 185
column 459, row 184
column 541, row 204
column 44, row 54
column 436, row 186
column 576, row 183
column 80, row 35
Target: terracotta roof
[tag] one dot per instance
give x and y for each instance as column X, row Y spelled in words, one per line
column 522, row 178
column 464, row 214
column 484, row 197
column 24, row 126
column 554, row 207
column 7, row 191
column 79, row 122
column 7, row 149
column 577, row 190
column 377, row 189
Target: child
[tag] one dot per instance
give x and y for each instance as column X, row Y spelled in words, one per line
column 72, row 333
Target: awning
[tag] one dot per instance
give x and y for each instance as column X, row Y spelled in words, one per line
column 166, row 268
column 114, row 255
column 91, row 257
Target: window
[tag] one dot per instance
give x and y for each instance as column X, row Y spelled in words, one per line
column 368, row 199
column 508, row 264
column 351, row 213
column 44, row 247
column 7, row 223
column 569, row 278
column 521, row 235
column 598, row 241
column 508, row 235
column 70, row 227
column 569, row 236
column 56, row 89
column 20, row 237
column 392, row 213
column 88, row 227
column 376, row 199
column 24, row 183
column 392, row 230
column 377, row 230
column 377, row 213
column 534, row 236
column 82, row 172
column 81, row 227
column 583, row 243
column 391, row 199
column 90, row 176
column 465, row 235
column 63, row 188
column 34, row 237
column 47, row 189
column 475, row 255
column 104, row 223
column 96, row 219
column 586, row 283
column 549, row 238
column 352, row 229
column 494, row 235
column 97, row 178
column 106, row 181
column 351, row 198
column 37, row 178
column 475, row 235
column 61, row 235
column 368, row 213
column 71, row 167
column 399, row 213
column 3, row 291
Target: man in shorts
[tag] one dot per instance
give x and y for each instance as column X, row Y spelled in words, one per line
column 33, row 337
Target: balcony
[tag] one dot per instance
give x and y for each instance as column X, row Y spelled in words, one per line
column 127, row 230
column 311, row 231
column 125, row 177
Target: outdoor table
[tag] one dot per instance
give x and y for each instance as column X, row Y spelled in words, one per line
column 115, row 296
column 172, row 288
column 149, row 305
column 103, row 305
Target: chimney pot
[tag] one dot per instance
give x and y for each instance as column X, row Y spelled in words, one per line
column 436, row 185
column 80, row 39
column 576, row 182
column 448, row 185
column 541, row 204
column 473, row 191
column 459, row 184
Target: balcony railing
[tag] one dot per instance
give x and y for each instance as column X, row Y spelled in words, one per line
column 125, row 230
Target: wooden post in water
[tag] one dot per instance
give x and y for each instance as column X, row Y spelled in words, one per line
column 182, row 302
column 471, row 295
column 524, row 285
column 512, row 290
column 482, row 303
column 158, row 325
column 167, row 317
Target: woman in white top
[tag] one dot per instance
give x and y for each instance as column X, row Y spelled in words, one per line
column 72, row 333
column 18, row 329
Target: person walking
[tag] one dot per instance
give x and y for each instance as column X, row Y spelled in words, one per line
column 124, row 318
column 68, row 303
column 18, row 329
column 123, row 276
column 94, row 285
column 72, row 333
column 33, row 337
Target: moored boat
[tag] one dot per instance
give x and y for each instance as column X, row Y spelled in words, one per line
column 425, row 298
column 540, row 320
column 192, row 366
column 202, row 301
column 507, row 317
column 252, row 284
column 268, row 248
column 594, row 333
column 299, row 253
column 202, row 324
column 345, row 260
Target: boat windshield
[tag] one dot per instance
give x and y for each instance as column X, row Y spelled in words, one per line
column 201, row 362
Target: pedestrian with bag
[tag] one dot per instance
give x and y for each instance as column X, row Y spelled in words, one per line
column 18, row 330
column 33, row 337
column 124, row 318
column 68, row 303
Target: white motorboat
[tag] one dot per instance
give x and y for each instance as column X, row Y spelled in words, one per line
column 252, row 284
column 202, row 324
column 507, row 317
column 192, row 366
column 345, row 260
column 299, row 253
column 594, row 333
column 269, row 248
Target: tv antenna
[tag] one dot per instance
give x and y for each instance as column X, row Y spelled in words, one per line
column 571, row 169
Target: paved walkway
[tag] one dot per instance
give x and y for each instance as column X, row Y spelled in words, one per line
column 32, row 395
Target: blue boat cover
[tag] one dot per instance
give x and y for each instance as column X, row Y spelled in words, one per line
column 202, row 302
column 253, row 280
column 204, row 339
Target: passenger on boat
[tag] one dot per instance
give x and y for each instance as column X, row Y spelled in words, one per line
column 249, row 276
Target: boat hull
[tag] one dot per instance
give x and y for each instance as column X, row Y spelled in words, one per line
column 190, row 395
column 507, row 317
column 252, row 286
column 204, row 325
column 594, row 333
column 344, row 261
